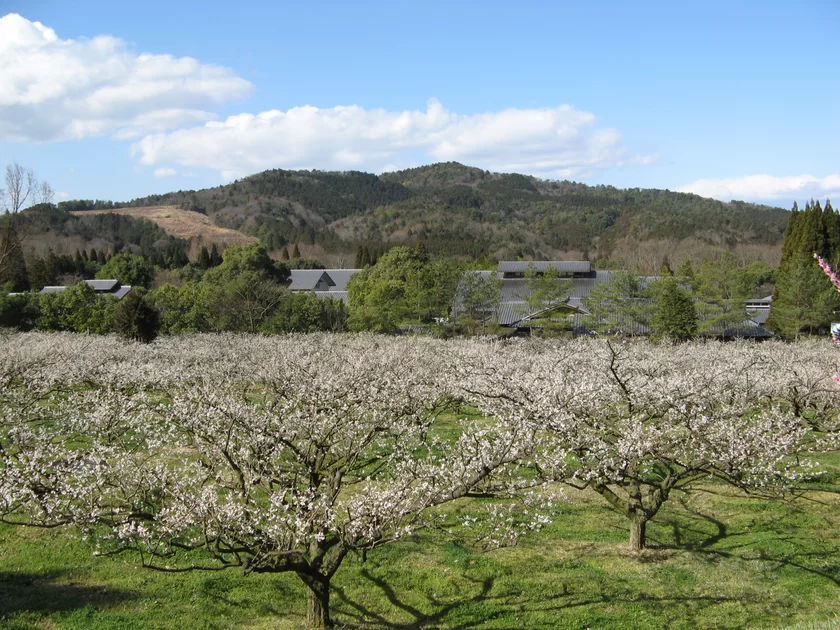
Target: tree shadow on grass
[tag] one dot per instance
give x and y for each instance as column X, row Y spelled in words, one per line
column 723, row 542
column 498, row 607
column 53, row 591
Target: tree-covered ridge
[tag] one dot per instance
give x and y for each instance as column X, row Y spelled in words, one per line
column 54, row 224
column 454, row 208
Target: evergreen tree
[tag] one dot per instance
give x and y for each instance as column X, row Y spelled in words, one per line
column 685, row 271
column 12, row 261
column 285, row 254
column 203, row 258
column 296, row 252
column 546, row 291
column 622, row 305
column 805, row 301
column 801, row 302
column 215, row 256
column 36, row 268
column 675, row 318
column 135, row 318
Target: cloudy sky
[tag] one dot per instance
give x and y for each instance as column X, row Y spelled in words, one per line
column 733, row 100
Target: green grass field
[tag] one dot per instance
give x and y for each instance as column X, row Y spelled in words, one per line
column 717, row 559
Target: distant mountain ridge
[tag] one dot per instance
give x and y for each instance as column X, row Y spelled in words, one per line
column 463, row 210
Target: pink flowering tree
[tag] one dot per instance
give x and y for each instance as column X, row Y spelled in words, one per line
column 835, row 281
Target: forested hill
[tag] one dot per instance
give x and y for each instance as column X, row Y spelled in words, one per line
column 463, row 210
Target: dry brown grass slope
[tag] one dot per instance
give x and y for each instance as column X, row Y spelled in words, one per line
column 191, row 226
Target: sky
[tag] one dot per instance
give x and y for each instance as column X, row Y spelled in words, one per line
column 731, row 100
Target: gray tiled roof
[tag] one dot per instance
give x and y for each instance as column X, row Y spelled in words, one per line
column 566, row 266
column 103, row 285
column 760, row 315
column 336, row 295
column 110, row 287
column 307, row 279
column 340, row 277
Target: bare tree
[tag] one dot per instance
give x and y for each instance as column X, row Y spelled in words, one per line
column 44, row 193
column 20, row 184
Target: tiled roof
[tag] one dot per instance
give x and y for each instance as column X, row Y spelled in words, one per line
column 336, row 295
column 565, row 266
column 103, row 285
column 109, row 287
column 307, row 279
column 340, row 277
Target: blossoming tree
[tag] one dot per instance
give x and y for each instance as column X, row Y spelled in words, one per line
column 637, row 422
column 327, row 447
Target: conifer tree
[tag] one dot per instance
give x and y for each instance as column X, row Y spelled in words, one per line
column 801, row 302
column 203, row 258
column 676, row 317
column 296, row 252
column 12, row 262
column 215, row 256
column 285, row 254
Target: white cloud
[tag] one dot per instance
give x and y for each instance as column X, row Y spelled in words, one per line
column 165, row 172
column 555, row 142
column 768, row 187
column 55, row 89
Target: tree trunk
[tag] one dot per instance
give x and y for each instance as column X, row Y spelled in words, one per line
column 318, row 603
column 638, row 524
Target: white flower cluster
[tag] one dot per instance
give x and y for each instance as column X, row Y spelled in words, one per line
column 287, row 453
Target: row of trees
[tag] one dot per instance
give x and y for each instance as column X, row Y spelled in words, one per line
column 287, row 454
column 245, row 292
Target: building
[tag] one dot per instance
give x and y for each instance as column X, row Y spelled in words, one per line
column 513, row 312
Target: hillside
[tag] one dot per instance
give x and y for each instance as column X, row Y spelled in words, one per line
column 183, row 224
column 463, row 210
column 44, row 227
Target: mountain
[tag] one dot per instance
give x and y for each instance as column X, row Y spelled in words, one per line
column 462, row 210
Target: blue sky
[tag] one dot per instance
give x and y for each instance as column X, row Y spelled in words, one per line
column 725, row 99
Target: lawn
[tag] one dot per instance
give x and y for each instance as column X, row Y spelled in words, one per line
column 717, row 559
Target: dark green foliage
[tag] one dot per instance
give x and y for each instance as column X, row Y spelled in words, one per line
column 247, row 258
column 128, row 269
column 12, row 262
column 135, row 318
column 121, row 232
column 296, row 252
column 675, row 318
column 203, row 261
column 20, row 312
column 404, row 286
column 804, row 299
column 477, row 300
column 77, row 309
column 465, row 211
column 302, row 263
column 215, row 256
column 303, row 313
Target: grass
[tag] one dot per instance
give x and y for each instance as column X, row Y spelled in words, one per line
column 717, row 559
column 183, row 224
